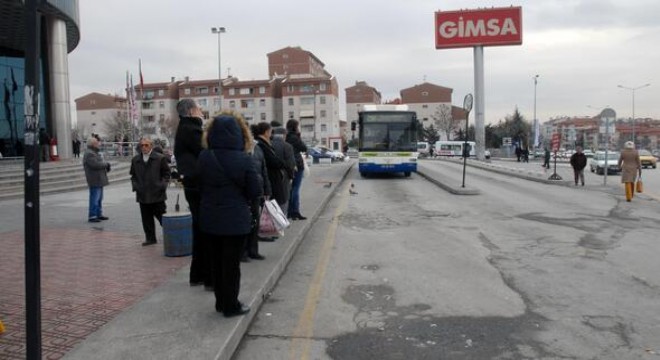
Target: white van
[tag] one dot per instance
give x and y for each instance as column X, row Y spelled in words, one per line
column 423, row 148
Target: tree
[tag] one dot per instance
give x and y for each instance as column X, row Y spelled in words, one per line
column 168, row 127
column 444, row 120
column 118, row 127
column 431, row 134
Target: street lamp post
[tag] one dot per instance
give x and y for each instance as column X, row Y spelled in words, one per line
column 219, row 30
column 633, row 89
column 314, row 135
column 536, row 135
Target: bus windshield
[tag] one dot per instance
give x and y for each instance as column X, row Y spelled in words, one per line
column 388, row 132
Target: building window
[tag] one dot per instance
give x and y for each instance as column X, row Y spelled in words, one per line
column 161, row 92
column 425, row 93
column 202, row 90
column 215, row 89
column 161, row 117
column 232, row 91
column 232, row 104
column 262, row 102
column 322, row 86
column 246, row 91
column 148, row 94
column 186, row 91
column 426, row 119
column 202, row 102
column 216, row 102
column 262, row 89
column 290, row 88
column 290, row 101
column 290, row 114
column 161, row 104
column 324, row 128
column 425, row 106
column 247, row 104
column 307, row 128
column 308, row 100
column 322, row 100
column 323, row 113
column 263, row 116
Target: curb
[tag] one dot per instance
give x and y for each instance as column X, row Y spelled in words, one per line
column 435, row 179
column 521, row 174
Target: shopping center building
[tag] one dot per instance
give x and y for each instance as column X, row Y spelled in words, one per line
column 60, row 34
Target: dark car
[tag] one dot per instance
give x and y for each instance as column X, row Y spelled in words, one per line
column 317, row 153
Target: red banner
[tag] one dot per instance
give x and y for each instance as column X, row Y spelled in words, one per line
column 555, row 142
column 482, row 27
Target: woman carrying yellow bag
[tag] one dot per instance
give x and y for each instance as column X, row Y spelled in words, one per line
column 631, row 166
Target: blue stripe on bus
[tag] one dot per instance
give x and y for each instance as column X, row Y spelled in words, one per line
column 383, row 168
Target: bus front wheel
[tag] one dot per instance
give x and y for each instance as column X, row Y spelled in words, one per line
column 362, row 174
column 406, row 174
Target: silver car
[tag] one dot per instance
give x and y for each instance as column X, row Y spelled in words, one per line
column 597, row 163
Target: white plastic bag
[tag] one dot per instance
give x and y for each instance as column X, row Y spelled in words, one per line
column 306, row 171
column 279, row 219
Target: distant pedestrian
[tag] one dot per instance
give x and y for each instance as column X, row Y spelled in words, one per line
column 578, row 162
column 44, row 145
column 518, row 153
column 631, row 167
column 96, row 174
column 187, row 146
column 299, row 148
column 228, row 184
column 76, row 148
column 546, row 158
column 525, row 155
column 150, row 175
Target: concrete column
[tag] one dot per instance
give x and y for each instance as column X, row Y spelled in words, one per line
column 60, row 115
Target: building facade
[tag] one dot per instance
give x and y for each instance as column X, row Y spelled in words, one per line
column 96, row 113
column 62, row 34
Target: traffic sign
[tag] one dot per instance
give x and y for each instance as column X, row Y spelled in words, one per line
column 555, row 142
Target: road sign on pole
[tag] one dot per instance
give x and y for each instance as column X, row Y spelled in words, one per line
column 555, row 142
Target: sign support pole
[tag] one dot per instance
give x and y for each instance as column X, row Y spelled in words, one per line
column 479, row 97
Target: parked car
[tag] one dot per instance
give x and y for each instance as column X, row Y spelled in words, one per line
column 598, row 163
column 487, row 154
column 588, row 153
column 353, row 153
column 318, row 153
column 335, row 154
column 648, row 160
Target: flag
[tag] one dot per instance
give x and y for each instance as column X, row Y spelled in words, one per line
column 141, row 79
column 134, row 110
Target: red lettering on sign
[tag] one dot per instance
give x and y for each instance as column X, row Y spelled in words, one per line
column 482, row 27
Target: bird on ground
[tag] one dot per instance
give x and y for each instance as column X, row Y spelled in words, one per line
column 329, row 184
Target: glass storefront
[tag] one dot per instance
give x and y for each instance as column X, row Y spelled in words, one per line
column 12, row 122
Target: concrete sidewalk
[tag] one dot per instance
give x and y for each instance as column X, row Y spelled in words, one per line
column 176, row 321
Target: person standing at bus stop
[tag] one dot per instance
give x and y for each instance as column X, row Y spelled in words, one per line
column 578, row 162
column 631, row 166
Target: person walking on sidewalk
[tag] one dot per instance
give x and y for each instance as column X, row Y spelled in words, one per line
column 578, row 162
column 299, row 147
column 631, row 166
column 187, row 146
column 150, row 175
column 96, row 174
column 228, row 185
column 546, row 158
column 44, row 145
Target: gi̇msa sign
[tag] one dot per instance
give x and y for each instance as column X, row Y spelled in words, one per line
column 482, row 27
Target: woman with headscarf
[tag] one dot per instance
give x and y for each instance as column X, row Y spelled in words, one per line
column 228, row 184
column 631, row 166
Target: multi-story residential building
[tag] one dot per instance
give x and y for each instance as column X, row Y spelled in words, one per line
column 356, row 96
column 256, row 100
column 156, row 106
column 95, row 112
column 309, row 94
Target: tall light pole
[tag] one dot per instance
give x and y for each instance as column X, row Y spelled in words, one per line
column 633, row 89
column 536, row 135
column 314, row 136
column 219, row 30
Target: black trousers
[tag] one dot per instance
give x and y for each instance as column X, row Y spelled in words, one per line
column 227, row 250
column 200, row 265
column 149, row 212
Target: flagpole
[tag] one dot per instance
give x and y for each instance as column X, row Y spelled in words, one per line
column 129, row 117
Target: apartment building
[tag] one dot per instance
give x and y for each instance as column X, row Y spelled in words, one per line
column 256, row 100
column 156, row 104
column 94, row 111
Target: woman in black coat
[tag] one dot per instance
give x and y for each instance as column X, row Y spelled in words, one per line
column 228, row 184
column 274, row 164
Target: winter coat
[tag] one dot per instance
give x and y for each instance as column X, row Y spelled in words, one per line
column 630, row 165
column 299, row 147
column 96, row 170
column 260, row 165
column 275, row 166
column 187, row 146
column 228, row 181
column 150, row 179
column 579, row 161
column 284, row 151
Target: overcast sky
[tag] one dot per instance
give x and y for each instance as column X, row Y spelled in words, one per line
column 581, row 49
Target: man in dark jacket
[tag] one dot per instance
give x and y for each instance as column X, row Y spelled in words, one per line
column 187, row 146
column 284, row 151
column 44, row 145
column 299, row 148
column 252, row 243
column 150, row 175
column 96, row 174
column 578, row 162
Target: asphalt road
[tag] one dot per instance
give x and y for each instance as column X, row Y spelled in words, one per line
column 525, row 270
